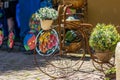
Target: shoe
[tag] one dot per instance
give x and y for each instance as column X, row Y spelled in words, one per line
column 11, row 39
column 1, row 37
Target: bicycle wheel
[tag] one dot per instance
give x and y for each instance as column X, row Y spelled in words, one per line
column 57, row 65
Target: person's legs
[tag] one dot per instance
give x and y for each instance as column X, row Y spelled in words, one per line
column 11, row 24
column 10, row 15
column 11, row 34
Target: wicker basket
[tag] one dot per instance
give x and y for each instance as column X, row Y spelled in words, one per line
column 46, row 24
column 104, row 56
column 73, row 47
column 75, row 3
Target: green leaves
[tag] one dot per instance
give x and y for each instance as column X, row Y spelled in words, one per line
column 111, row 71
column 104, row 37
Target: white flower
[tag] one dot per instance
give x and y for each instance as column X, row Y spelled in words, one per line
column 47, row 13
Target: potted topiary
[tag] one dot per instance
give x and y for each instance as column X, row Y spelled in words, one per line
column 46, row 16
column 103, row 40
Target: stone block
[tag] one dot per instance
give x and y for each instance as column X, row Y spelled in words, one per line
column 117, row 61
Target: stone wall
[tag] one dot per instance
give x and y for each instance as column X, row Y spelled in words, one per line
column 117, row 61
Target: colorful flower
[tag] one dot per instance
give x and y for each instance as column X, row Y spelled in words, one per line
column 52, row 41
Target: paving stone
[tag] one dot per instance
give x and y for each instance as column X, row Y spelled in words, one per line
column 18, row 66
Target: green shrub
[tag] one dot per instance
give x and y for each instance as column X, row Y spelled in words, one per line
column 111, row 71
column 104, row 37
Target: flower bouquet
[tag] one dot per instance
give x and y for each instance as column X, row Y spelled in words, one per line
column 46, row 16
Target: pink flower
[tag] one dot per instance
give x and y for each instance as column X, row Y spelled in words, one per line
column 52, row 41
column 50, row 45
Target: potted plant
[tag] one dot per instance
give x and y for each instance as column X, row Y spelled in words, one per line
column 103, row 40
column 111, row 73
column 46, row 16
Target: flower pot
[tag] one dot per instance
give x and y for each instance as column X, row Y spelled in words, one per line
column 104, row 56
column 46, row 24
column 111, row 76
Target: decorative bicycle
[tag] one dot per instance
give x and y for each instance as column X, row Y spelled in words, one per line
column 63, row 56
column 48, row 44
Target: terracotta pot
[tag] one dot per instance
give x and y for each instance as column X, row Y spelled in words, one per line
column 111, row 76
column 104, row 56
column 46, row 24
column 75, row 3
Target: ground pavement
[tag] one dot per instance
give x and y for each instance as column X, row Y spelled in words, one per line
column 19, row 66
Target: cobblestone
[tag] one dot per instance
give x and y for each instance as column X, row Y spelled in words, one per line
column 18, row 66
